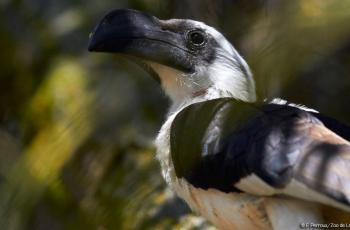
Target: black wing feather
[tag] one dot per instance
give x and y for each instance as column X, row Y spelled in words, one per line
column 215, row 144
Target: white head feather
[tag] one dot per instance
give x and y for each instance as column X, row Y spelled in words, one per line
column 227, row 76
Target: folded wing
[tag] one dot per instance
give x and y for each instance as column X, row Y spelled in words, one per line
column 264, row 150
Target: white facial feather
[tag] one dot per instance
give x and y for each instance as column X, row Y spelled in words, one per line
column 225, row 72
column 227, row 76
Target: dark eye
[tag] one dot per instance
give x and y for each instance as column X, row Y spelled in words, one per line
column 197, row 38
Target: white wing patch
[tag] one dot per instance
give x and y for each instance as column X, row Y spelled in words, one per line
column 254, row 185
column 299, row 190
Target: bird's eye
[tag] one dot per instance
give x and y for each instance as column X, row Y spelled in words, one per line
column 197, row 38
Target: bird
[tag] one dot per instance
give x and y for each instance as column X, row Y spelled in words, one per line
column 240, row 162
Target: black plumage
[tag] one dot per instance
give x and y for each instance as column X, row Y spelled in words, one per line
column 217, row 143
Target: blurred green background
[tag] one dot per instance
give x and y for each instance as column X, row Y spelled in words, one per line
column 76, row 128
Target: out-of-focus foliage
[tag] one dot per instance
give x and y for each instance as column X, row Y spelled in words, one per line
column 76, row 128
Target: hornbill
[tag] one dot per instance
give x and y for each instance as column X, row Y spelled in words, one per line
column 241, row 164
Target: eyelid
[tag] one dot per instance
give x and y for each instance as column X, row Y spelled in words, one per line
column 199, row 31
column 195, row 30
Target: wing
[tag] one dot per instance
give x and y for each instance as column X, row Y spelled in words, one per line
column 338, row 128
column 264, row 150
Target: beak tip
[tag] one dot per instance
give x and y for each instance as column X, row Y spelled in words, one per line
column 93, row 44
column 91, row 47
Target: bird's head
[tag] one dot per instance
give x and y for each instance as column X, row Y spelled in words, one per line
column 190, row 59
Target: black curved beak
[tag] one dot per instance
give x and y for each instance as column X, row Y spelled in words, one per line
column 140, row 35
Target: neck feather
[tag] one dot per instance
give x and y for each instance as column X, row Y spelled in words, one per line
column 217, row 81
